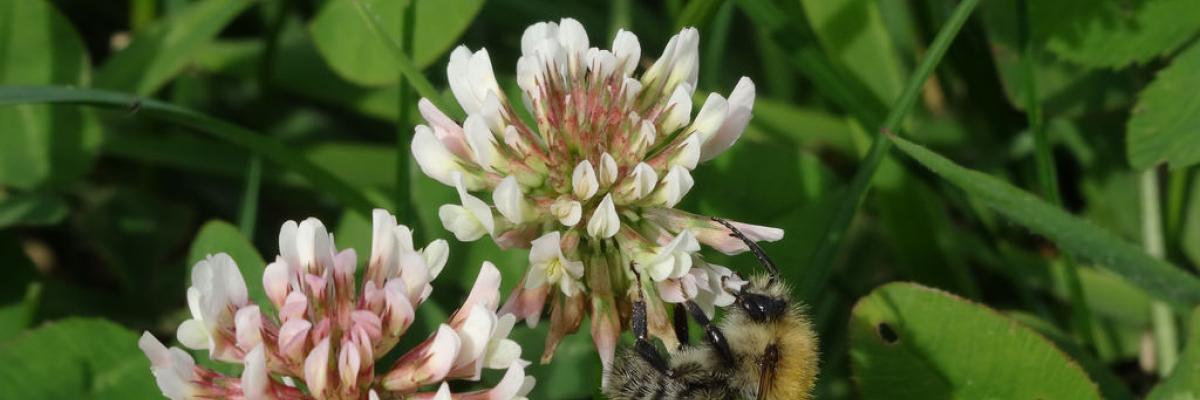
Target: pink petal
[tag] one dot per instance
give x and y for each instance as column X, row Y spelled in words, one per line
column 485, row 292
column 427, row 363
column 526, row 304
column 445, row 129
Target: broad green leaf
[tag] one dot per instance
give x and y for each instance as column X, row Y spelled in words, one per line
column 1063, row 87
column 31, row 209
column 1072, row 234
column 42, row 145
column 913, row 342
column 358, row 55
column 853, row 32
column 1110, row 385
column 161, row 51
column 15, row 317
column 222, row 237
column 1165, row 125
column 76, row 359
column 1184, row 381
column 1113, row 33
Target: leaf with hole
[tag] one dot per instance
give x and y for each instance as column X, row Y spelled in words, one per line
column 912, row 342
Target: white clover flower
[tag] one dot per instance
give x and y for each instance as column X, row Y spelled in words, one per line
column 591, row 185
column 329, row 332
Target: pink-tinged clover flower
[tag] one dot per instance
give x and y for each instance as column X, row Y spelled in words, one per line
column 591, row 185
column 328, row 332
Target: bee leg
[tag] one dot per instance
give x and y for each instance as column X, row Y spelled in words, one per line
column 712, row 334
column 681, row 325
column 642, row 345
column 761, row 255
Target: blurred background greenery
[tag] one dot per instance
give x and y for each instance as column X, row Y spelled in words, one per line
column 1079, row 102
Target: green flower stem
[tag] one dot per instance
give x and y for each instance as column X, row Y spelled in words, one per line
column 1081, row 314
column 1166, row 342
column 402, row 198
column 821, row 261
column 258, row 144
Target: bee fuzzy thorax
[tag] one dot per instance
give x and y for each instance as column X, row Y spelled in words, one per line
column 787, row 341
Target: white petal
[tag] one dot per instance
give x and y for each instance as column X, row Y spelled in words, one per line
column 686, row 66
column 478, row 208
column 316, row 368
column 536, row 34
column 509, row 200
column 436, row 161
column 608, row 169
column 545, row 248
column 287, row 243
column 505, row 352
column 688, row 153
column 254, row 376
column 583, row 181
column 536, row 277
column 482, row 142
column 640, row 183
column 604, row 222
column 600, row 62
column 276, row 281
column 436, row 254
column 627, row 50
column 679, row 109
column 349, row 363
column 443, row 393
column 741, row 103
column 573, row 38
column 457, row 75
column 474, row 333
column 248, row 323
column 568, row 212
column 193, row 335
column 711, row 116
column 674, row 186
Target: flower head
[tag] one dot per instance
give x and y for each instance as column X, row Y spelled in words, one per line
column 590, row 186
column 328, row 332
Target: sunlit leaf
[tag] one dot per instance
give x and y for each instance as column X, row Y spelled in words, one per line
column 912, row 342
column 42, row 145
column 76, row 359
column 161, row 51
column 358, row 55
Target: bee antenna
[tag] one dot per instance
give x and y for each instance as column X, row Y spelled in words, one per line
column 761, row 255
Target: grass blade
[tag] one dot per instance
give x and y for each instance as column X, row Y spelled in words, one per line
column 256, row 143
column 821, row 261
column 1072, row 234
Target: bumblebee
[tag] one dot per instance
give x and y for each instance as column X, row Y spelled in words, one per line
column 764, row 348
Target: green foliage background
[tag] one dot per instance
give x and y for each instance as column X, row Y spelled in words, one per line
column 1038, row 190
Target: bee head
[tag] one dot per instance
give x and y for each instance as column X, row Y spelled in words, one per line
column 764, row 298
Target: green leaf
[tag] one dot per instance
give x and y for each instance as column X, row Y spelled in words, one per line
column 1165, row 125
column 76, row 359
column 913, row 342
column 853, row 32
column 1184, row 381
column 1113, row 33
column 14, row 318
column 1110, row 385
column 222, row 237
column 161, row 51
column 42, row 145
column 1072, row 234
column 360, row 56
column 31, row 209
